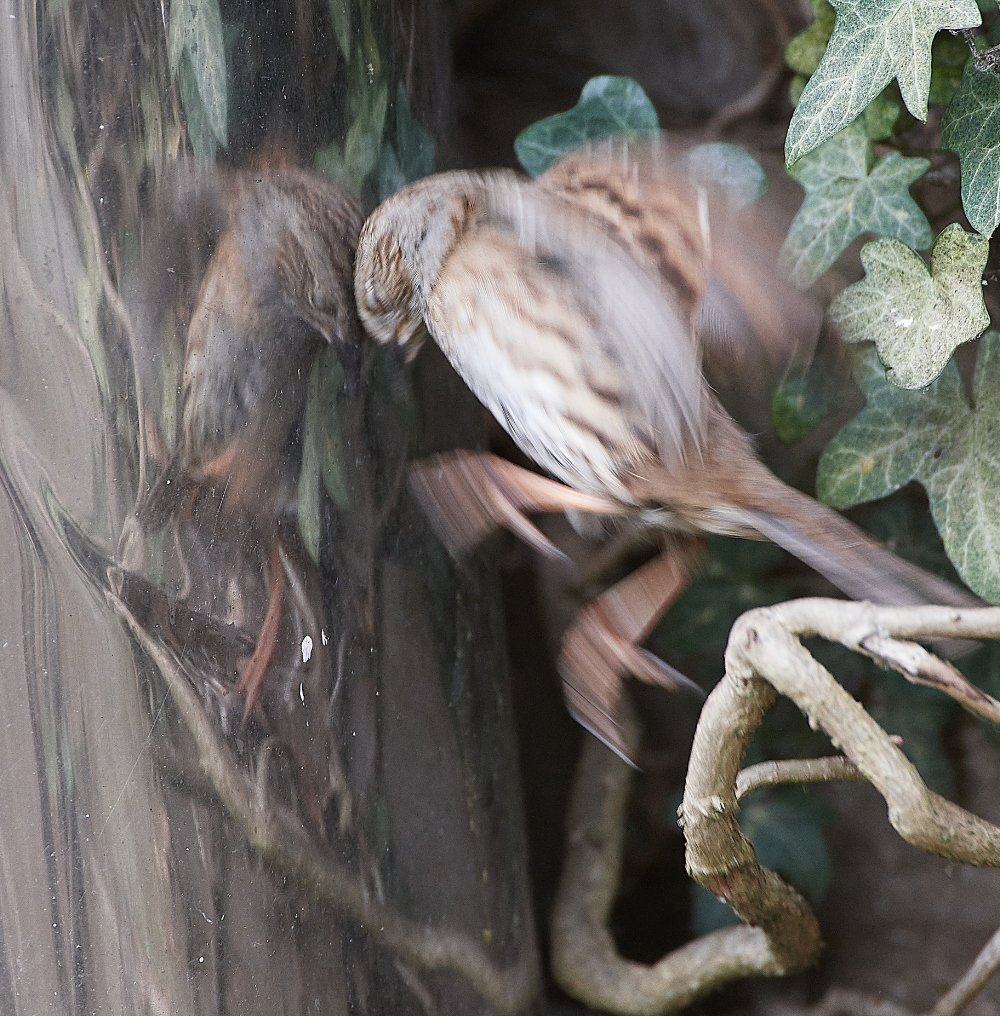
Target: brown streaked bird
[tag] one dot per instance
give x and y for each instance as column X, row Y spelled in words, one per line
column 576, row 307
column 277, row 288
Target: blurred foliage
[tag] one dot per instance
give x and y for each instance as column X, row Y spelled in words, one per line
column 731, row 167
column 374, row 146
column 608, row 106
column 801, row 401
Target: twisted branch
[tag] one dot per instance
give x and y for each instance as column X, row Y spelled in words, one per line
column 780, row 934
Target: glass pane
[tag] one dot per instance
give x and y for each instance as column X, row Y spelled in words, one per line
column 257, row 752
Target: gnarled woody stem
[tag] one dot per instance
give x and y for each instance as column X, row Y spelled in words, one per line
column 585, row 960
column 764, row 655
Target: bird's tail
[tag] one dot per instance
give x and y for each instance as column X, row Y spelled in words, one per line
column 849, row 558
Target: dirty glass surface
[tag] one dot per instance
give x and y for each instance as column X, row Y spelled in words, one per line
column 257, row 751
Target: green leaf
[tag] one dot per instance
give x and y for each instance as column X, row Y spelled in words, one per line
column 340, row 15
column 414, row 146
column 945, row 82
column 308, row 495
column 919, row 716
column 795, row 88
column 322, row 452
column 734, row 579
column 847, row 194
column 799, row 404
column 785, row 829
column 362, row 149
column 805, row 50
column 916, row 318
column 607, row 105
column 873, row 42
column 329, row 162
column 731, row 167
column 196, row 29
column 937, row 438
column 204, row 141
column 879, row 118
column 971, row 128
column 390, row 173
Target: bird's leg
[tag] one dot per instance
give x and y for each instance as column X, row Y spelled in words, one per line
column 469, row 495
column 601, row 647
column 253, row 674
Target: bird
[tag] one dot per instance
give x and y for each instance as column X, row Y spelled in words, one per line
column 277, row 289
column 577, row 307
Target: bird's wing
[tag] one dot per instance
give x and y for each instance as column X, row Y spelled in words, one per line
column 541, row 311
column 719, row 262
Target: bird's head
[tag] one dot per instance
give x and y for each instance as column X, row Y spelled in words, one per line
column 402, row 247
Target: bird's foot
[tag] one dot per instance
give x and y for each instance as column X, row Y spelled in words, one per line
column 602, row 648
column 470, row 495
column 253, row 674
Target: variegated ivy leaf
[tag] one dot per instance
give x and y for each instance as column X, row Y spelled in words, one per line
column 848, row 193
column 937, row 438
column 971, row 128
column 873, row 42
column 916, row 318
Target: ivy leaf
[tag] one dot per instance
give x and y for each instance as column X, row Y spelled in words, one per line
column 196, row 29
column 731, row 167
column 848, row 193
column 390, row 174
column 879, row 118
column 971, row 128
column 607, row 105
column 800, row 403
column 918, row 715
column 916, row 318
column 361, row 153
column 937, row 438
column 805, row 50
column 873, row 42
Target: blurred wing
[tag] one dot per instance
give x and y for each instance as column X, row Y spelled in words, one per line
column 750, row 313
column 720, row 264
column 567, row 340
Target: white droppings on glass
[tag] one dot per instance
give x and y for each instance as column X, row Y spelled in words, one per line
column 307, row 648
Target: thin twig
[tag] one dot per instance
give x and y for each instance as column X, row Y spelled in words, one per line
column 796, row 770
column 972, row 981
